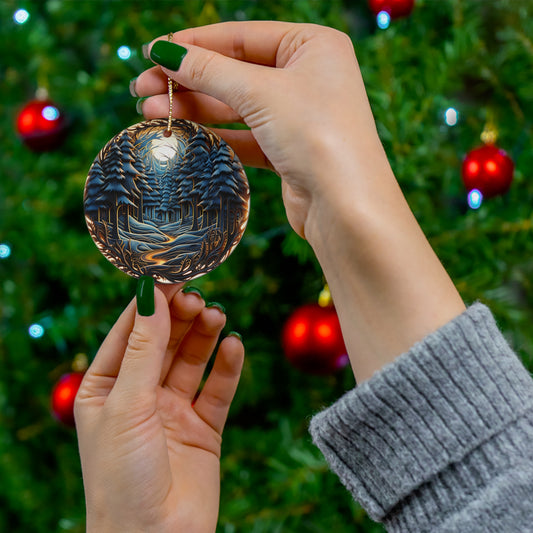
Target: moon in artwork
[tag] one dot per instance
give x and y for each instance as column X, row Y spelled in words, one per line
column 168, row 206
column 165, row 148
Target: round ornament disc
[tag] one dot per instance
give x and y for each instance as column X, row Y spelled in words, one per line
column 171, row 206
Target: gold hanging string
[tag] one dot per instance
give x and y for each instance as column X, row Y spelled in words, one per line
column 172, row 85
column 170, row 91
column 490, row 131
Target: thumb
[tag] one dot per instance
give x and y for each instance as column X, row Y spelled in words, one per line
column 140, row 370
column 229, row 80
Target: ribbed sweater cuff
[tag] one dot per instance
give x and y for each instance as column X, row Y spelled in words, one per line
column 420, row 430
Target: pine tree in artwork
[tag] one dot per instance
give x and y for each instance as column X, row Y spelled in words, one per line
column 228, row 184
column 151, row 195
column 115, row 189
column 126, row 149
column 196, row 161
column 207, row 200
column 182, row 193
column 166, row 183
column 94, row 200
column 143, row 186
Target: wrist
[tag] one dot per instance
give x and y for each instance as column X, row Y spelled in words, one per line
column 350, row 193
column 107, row 527
column 101, row 519
column 389, row 288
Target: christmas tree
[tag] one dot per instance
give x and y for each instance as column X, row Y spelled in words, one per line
column 436, row 78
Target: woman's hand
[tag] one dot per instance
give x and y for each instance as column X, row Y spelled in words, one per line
column 304, row 115
column 150, row 451
column 299, row 89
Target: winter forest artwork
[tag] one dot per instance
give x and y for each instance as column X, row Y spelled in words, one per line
column 171, row 205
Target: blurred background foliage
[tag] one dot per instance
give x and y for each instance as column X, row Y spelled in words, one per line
column 474, row 55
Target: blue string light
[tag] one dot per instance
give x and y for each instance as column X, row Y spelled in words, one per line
column 475, row 199
column 383, row 20
column 36, row 331
column 5, row 251
column 21, row 16
column 124, row 52
column 50, row 112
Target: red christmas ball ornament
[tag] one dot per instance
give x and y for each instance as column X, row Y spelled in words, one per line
column 312, row 340
column 488, row 169
column 41, row 125
column 395, row 8
column 63, row 396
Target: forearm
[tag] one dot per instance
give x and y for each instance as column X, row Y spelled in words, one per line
column 388, row 286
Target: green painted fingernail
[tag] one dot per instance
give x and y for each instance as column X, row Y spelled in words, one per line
column 193, row 290
column 220, row 307
column 139, row 105
column 133, row 92
column 167, row 54
column 235, row 334
column 145, row 296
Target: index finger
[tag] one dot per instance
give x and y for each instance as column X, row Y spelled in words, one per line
column 252, row 41
column 255, row 42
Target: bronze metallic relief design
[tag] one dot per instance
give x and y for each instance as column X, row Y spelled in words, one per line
column 171, row 207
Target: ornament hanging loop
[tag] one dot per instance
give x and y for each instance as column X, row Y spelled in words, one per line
column 489, row 134
column 171, row 86
column 324, row 298
column 80, row 363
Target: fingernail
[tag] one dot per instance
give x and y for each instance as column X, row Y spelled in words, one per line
column 145, row 296
column 167, row 54
column 133, row 92
column 235, row 334
column 139, row 105
column 220, row 307
column 192, row 290
column 146, row 50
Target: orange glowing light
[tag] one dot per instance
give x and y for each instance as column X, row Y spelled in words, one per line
column 324, row 331
column 64, row 394
column 472, row 167
column 491, row 166
column 300, row 329
column 26, row 121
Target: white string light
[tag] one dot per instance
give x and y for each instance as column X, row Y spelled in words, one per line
column 451, row 116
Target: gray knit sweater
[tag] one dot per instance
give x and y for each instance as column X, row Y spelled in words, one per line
column 440, row 440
